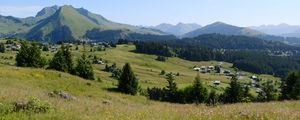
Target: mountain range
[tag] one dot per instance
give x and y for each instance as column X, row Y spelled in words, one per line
column 66, row 23
column 177, row 30
column 223, row 28
column 279, row 29
column 227, row 29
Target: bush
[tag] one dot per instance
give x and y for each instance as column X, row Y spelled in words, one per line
column 161, row 58
column 163, row 72
column 268, row 93
column 156, row 94
column 213, row 98
column 34, row 105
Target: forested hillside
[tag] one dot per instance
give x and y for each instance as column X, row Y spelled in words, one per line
column 246, row 53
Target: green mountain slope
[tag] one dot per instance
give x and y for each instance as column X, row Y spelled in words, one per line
column 68, row 24
column 10, row 26
column 65, row 24
column 94, row 101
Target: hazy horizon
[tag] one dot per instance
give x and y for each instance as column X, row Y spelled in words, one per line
column 151, row 13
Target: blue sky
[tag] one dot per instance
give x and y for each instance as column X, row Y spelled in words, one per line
column 153, row 12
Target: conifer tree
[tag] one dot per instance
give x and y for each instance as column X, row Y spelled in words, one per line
column 30, row 56
column 291, row 87
column 128, row 83
column 234, row 93
column 171, row 89
column 199, row 92
column 2, row 48
column 62, row 60
column 84, row 68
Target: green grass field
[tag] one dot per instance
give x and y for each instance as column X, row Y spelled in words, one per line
column 95, row 101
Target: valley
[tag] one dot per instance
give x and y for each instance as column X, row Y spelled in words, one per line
column 95, row 101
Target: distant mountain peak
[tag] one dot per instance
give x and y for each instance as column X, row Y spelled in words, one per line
column 218, row 23
column 223, row 28
column 178, row 29
column 66, row 23
column 280, row 29
column 47, row 11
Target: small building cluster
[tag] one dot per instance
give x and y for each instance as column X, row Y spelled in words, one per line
column 13, row 47
column 204, row 69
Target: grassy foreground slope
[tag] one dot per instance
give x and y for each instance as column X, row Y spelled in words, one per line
column 91, row 103
column 96, row 102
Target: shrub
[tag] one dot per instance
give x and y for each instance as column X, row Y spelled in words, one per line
column 161, row 58
column 213, row 98
column 34, row 105
column 156, row 94
column 163, row 72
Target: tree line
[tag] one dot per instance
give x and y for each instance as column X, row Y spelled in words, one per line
column 234, row 93
column 30, row 55
column 255, row 60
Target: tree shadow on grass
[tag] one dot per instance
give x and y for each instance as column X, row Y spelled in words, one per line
column 113, row 90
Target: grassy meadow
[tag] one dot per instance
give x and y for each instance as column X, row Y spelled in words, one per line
column 95, row 101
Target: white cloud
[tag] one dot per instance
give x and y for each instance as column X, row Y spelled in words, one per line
column 19, row 11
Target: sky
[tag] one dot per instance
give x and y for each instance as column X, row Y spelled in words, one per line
column 154, row 12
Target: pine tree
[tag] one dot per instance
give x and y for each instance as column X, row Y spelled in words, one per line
column 234, row 93
column 84, row 68
column 68, row 59
column 291, row 87
column 2, row 48
column 128, row 83
column 171, row 89
column 30, row 56
column 62, row 60
column 199, row 92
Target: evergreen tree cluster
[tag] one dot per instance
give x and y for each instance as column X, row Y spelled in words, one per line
column 197, row 93
column 236, row 92
column 290, row 89
column 30, row 56
column 62, row 60
column 243, row 58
